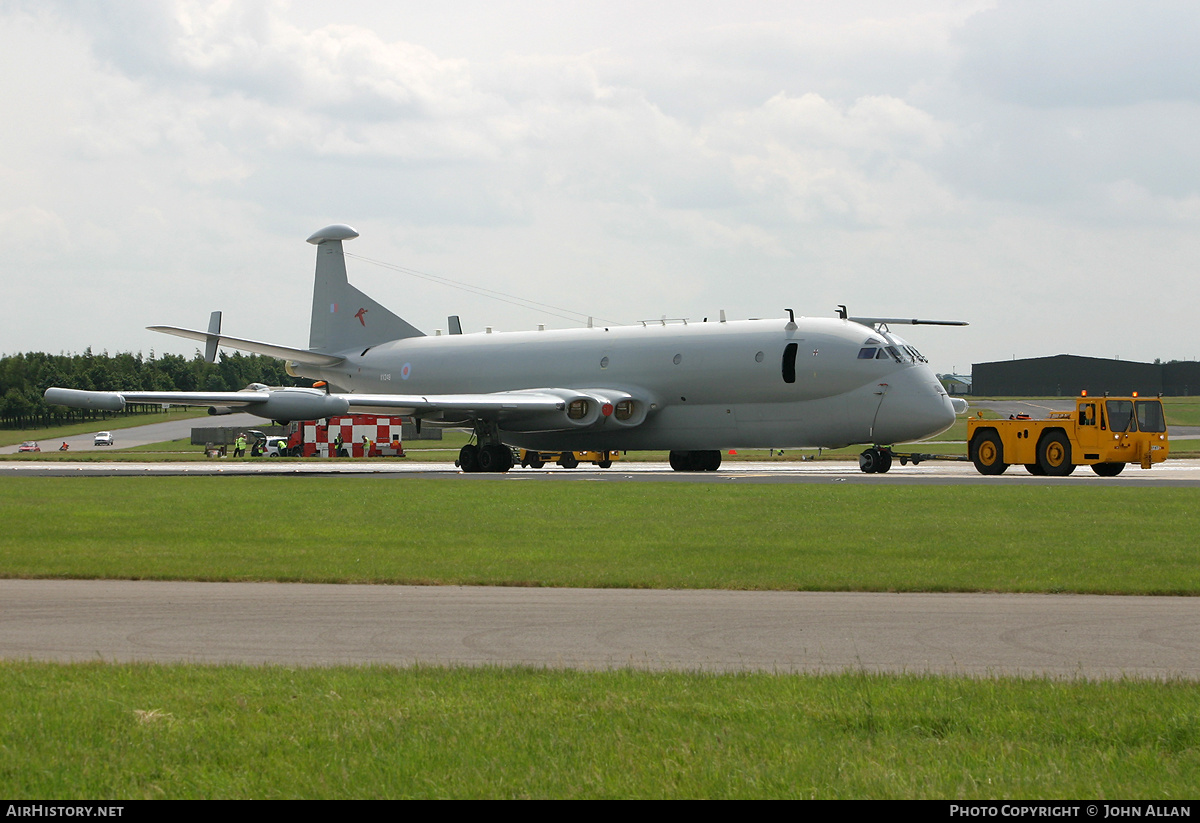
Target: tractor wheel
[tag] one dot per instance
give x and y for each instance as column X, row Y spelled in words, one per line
column 987, row 453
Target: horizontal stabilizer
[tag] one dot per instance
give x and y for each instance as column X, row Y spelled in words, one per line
column 308, row 358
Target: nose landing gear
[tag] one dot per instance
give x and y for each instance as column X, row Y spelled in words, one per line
column 875, row 460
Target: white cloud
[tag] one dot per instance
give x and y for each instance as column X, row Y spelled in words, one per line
column 1084, row 52
column 629, row 160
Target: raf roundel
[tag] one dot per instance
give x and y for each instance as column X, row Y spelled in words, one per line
column 405, row 371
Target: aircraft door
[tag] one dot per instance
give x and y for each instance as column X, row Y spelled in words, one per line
column 881, row 390
column 789, row 362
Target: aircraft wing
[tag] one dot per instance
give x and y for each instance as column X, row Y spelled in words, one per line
column 527, row 410
column 551, row 409
column 474, row 405
column 115, row 401
column 309, row 358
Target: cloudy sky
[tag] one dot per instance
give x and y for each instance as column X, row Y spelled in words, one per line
column 1030, row 167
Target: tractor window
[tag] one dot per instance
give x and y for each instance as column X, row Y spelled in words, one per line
column 789, row 362
column 1087, row 414
column 1120, row 415
column 1150, row 416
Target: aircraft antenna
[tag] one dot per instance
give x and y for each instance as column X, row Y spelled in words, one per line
column 503, row 297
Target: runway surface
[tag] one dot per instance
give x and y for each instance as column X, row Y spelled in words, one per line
column 1175, row 473
column 717, row 631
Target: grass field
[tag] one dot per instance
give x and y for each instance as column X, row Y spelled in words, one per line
column 142, row 731
column 1097, row 539
column 240, row 732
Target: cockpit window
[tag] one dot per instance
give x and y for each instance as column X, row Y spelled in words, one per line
column 895, row 353
column 867, row 353
column 1150, row 416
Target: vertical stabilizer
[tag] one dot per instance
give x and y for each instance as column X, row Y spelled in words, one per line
column 214, row 337
column 343, row 318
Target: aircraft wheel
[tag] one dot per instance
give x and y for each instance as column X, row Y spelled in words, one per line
column 712, row 461
column 536, row 462
column 488, row 459
column 1054, row 455
column 494, row 458
column 568, row 460
column 468, row 458
column 987, row 453
column 1108, row 469
column 868, row 461
column 678, row 461
column 885, row 460
column 604, row 464
column 1035, row 469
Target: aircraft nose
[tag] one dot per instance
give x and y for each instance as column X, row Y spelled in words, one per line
column 914, row 407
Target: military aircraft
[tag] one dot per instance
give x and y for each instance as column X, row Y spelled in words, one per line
column 692, row 388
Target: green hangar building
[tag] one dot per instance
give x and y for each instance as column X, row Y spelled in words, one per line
column 1066, row 375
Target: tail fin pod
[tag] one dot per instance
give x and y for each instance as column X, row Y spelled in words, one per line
column 342, row 316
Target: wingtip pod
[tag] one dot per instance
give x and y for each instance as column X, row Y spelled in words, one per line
column 338, row 231
column 79, row 399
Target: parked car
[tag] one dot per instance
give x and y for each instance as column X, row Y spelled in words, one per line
column 276, row 447
column 29, row 446
column 103, row 439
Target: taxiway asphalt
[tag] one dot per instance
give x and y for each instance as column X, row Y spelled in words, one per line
column 1173, row 473
column 718, row 631
column 302, row 624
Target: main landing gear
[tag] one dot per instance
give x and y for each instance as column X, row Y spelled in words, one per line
column 698, row 461
column 490, row 455
column 875, row 460
column 493, row 458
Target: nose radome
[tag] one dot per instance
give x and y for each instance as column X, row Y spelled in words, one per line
column 914, row 407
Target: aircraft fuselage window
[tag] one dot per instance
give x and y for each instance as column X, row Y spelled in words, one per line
column 789, row 362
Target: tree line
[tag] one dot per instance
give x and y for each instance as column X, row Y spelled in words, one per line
column 24, row 378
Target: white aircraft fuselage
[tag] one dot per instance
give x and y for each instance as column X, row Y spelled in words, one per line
column 705, row 385
column 691, row 388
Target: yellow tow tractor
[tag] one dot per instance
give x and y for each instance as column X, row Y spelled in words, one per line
column 1105, row 433
column 568, row 460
